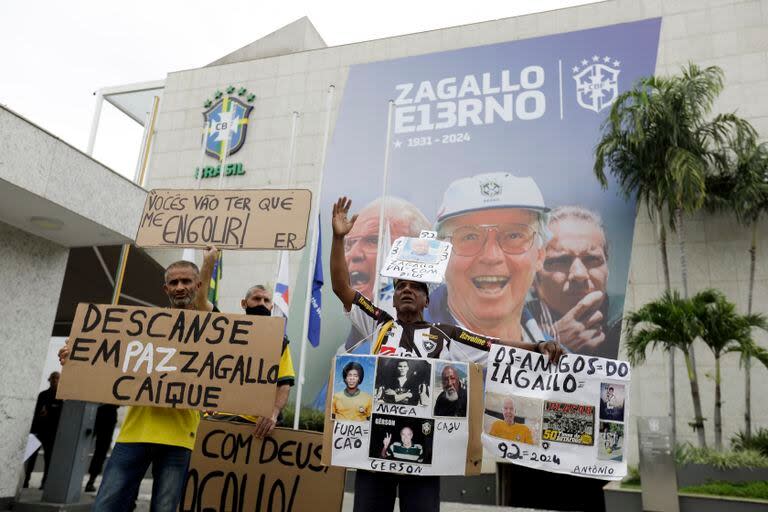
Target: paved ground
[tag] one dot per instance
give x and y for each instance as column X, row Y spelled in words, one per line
column 145, row 493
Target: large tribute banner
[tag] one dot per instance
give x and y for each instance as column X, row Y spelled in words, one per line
column 404, row 415
column 466, row 126
column 232, row 470
column 569, row 417
column 227, row 219
column 173, row 358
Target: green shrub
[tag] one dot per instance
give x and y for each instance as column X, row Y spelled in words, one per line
column 758, row 441
column 688, row 454
column 633, row 477
column 757, row 490
column 310, row 419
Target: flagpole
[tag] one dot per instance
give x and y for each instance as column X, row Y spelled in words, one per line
column 312, row 258
column 225, row 145
column 383, row 207
column 206, row 134
column 291, row 155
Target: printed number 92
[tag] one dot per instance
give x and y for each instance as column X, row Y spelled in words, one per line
column 509, row 452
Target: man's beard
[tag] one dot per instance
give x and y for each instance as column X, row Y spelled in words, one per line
column 181, row 302
column 451, row 395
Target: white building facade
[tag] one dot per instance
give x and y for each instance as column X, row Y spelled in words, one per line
column 291, row 71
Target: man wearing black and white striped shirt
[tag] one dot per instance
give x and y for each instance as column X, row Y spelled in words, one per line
column 407, row 335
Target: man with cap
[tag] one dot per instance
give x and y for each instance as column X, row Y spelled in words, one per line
column 497, row 225
column 407, row 335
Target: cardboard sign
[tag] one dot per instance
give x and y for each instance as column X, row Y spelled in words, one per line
column 227, row 219
column 173, row 358
column 231, row 469
column 569, row 417
column 404, row 415
column 417, row 259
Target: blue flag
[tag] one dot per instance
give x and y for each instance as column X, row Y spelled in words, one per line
column 313, row 332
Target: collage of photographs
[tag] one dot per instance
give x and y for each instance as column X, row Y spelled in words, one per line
column 401, row 399
column 538, row 422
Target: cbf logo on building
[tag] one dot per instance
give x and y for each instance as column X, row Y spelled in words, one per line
column 597, row 82
column 225, row 125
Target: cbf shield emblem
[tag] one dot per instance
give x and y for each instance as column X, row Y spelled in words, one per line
column 227, row 117
column 597, row 84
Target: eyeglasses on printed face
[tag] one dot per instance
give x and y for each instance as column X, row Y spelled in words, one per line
column 511, row 238
column 369, row 244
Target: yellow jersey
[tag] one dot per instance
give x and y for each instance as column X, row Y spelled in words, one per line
column 515, row 432
column 160, row 425
column 355, row 407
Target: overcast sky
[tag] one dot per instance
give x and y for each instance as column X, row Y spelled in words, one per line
column 55, row 54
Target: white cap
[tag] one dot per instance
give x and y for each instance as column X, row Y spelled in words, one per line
column 490, row 191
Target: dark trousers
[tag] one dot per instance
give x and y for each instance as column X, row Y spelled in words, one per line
column 30, row 464
column 100, row 449
column 126, row 468
column 522, row 487
column 376, row 492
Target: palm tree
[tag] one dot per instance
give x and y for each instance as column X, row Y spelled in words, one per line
column 725, row 331
column 743, row 189
column 670, row 323
column 660, row 146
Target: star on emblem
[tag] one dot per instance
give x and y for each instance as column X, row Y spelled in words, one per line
column 584, row 62
column 616, row 63
column 606, row 59
column 595, row 58
column 398, row 143
column 575, row 69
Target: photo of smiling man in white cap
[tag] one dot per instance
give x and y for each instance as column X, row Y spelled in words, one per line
column 497, row 225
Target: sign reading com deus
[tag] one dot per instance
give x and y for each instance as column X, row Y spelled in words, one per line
column 232, row 470
column 569, row 417
column 173, row 358
column 404, row 415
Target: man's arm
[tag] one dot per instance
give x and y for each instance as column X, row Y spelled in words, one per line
column 266, row 425
column 339, row 271
column 210, row 256
column 473, row 344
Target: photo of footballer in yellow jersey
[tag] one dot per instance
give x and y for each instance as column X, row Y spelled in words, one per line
column 352, row 403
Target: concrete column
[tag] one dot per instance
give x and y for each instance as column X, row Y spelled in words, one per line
column 31, row 275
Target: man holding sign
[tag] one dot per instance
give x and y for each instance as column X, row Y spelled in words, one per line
column 407, row 335
column 257, row 301
column 163, row 437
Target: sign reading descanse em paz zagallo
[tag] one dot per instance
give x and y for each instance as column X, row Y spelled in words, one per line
column 404, row 415
column 417, row 259
column 228, row 219
column 569, row 417
column 173, row 358
column 232, row 469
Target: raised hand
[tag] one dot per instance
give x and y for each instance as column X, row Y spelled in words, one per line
column 210, row 254
column 64, row 353
column 341, row 224
column 387, row 440
column 580, row 329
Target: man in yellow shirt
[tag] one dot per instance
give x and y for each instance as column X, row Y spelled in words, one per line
column 508, row 429
column 258, row 301
column 351, row 403
column 158, row 436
